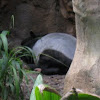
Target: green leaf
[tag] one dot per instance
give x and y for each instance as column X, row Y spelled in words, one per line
column 12, row 87
column 16, row 82
column 17, row 66
column 31, row 52
column 82, row 96
column 4, row 40
column 25, row 75
column 5, row 93
column 12, row 22
column 5, row 32
column 44, row 92
column 0, row 44
column 79, row 95
column 38, row 81
column 3, row 65
column 38, row 95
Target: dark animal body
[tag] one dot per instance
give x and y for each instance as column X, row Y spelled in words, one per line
column 54, row 53
column 53, row 62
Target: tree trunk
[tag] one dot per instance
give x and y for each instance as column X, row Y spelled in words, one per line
column 84, row 72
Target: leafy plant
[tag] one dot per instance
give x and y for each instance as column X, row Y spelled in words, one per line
column 43, row 92
column 11, row 72
column 38, row 81
column 12, row 22
column 76, row 94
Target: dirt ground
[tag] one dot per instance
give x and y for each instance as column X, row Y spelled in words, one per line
column 56, row 81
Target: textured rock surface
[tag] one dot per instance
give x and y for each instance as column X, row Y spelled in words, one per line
column 40, row 16
column 84, row 72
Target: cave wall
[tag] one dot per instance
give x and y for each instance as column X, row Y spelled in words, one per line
column 39, row 16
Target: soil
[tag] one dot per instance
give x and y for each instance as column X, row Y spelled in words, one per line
column 55, row 81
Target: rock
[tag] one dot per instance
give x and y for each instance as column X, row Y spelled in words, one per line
column 23, row 23
column 39, row 16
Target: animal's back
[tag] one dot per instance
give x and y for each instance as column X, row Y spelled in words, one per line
column 61, row 42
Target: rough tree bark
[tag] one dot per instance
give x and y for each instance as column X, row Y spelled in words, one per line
column 84, row 72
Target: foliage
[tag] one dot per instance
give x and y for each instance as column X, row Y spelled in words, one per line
column 43, row 92
column 12, row 22
column 11, row 72
column 38, row 81
column 76, row 94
